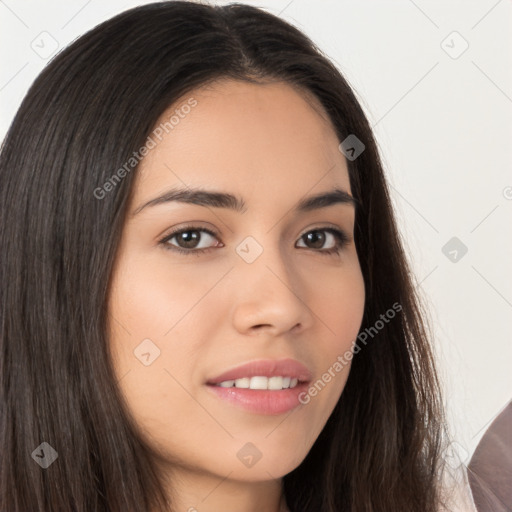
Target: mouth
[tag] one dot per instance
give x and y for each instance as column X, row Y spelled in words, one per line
column 267, row 387
column 260, row 382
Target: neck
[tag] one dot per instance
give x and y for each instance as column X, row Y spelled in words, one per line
column 191, row 491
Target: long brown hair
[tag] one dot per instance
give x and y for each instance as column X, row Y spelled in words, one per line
column 90, row 109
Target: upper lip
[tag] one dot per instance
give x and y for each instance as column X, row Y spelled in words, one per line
column 266, row 368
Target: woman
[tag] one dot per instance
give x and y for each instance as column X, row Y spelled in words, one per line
column 205, row 301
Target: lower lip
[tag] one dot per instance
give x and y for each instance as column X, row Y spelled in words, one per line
column 261, row 401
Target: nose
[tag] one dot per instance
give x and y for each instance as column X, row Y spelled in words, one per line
column 270, row 297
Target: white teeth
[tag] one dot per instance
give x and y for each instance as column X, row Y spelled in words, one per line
column 275, row 383
column 243, row 383
column 258, row 382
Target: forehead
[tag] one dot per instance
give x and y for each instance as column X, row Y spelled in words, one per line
column 246, row 138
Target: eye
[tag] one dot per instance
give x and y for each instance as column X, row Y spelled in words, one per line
column 197, row 240
column 335, row 240
column 189, row 239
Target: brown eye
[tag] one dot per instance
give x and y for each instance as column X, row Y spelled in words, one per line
column 196, row 240
column 317, row 238
column 189, row 239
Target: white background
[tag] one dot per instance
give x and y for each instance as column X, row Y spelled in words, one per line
column 444, row 127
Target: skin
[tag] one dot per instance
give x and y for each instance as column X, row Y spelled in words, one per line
column 210, row 312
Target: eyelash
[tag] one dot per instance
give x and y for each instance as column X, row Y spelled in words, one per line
column 341, row 238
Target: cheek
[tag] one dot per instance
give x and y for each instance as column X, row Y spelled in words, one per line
column 338, row 299
column 338, row 302
column 155, row 314
column 160, row 316
column 151, row 297
column 148, row 308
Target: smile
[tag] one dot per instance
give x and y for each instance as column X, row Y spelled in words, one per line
column 260, row 382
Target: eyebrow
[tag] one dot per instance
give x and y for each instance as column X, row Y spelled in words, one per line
column 214, row 199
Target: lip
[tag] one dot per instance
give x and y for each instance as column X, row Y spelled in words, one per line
column 266, row 368
column 260, row 401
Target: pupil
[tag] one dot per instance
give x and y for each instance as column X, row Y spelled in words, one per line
column 316, row 237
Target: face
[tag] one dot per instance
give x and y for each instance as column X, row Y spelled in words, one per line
column 201, row 288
